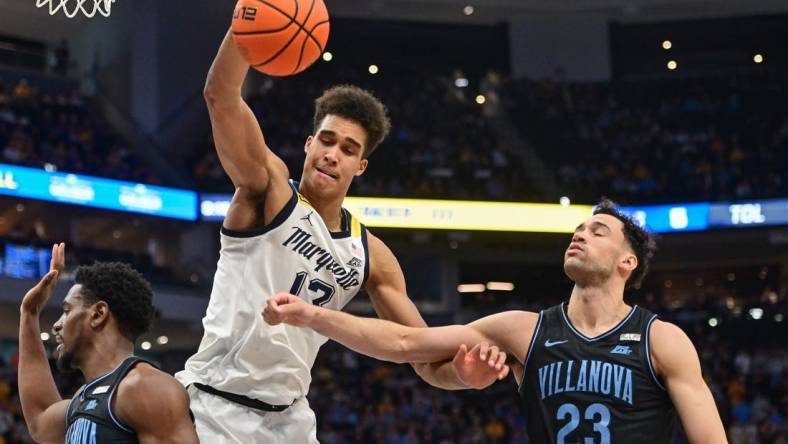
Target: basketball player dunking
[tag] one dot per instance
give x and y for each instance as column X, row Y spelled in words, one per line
column 248, row 380
column 595, row 370
column 127, row 400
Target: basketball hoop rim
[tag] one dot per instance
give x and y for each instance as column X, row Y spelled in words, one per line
column 73, row 8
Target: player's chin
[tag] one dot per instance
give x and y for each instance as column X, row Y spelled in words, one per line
column 321, row 183
column 65, row 360
column 327, row 186
column 573, row 266
column 571, row 261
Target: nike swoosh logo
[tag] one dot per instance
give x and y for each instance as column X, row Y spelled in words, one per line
column 548, row 343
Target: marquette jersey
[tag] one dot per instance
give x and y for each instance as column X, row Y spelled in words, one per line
column 296, row 253
column 89, row 415
column 600, row 390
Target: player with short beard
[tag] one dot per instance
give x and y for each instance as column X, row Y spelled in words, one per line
column 126, row 399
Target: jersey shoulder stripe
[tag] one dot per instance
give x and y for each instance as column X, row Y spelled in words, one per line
column 278, row 220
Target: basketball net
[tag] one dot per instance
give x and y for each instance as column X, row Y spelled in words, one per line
column 72, row 8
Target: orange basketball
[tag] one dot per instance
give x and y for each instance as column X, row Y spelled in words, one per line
column 280, row 37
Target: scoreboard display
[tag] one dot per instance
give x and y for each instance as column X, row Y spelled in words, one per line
column 705, row 215
column 25, row 262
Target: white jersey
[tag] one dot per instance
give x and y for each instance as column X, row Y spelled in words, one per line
column 239, row 352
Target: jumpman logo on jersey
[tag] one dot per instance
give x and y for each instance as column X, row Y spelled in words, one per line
column 91, row 405
column 307, row 218
column 549, row 343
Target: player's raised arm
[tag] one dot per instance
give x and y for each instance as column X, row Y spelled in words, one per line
column 676, row 362
column 42, row 406
column 253, row 168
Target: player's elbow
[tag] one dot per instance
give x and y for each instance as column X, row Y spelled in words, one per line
column 37, row 433
column 398, row 355
column 218, row 96
column 406, row 348
column 213, row 98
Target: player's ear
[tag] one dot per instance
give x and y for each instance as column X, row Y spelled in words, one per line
column 99, row 313
column 630, row 262
column 308, row 143
column 362, row 166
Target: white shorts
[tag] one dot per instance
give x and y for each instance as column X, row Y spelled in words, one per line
column 221, row 421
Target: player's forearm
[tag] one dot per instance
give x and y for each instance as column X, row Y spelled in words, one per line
column 440, row 374
column 226, row 76
column 705, row 425
column 715, row 438
column 239, row 141
column 377, row 338
column 37, row 389
column 710, row 432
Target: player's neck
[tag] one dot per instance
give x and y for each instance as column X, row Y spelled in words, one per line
column 329, row 209
column 103, row 356
column 596, row 309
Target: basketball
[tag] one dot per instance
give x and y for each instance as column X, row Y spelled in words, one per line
column 280, row 37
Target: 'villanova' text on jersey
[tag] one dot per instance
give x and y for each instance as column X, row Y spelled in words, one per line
column 600, row 390
column 598, row 377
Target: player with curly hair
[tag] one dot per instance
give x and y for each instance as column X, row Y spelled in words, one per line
column 126, row 398
column 248, row 381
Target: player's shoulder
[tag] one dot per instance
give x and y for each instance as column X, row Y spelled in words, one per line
column 512, row 330
column 520, row 315
column 144, row 381
column 146, row 391
column 670, row 347
column 518, row 320
column 665, row 332
column 508, row 321
column 383, row 265
column 144, row 376
column 144, row 373
column 375, row 241
column 379, row 252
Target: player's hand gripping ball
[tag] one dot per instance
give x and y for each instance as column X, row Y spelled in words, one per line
column 280, row 37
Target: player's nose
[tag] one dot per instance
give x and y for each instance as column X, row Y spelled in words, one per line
column 330, row 154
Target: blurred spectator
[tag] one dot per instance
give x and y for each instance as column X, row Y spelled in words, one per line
column 659, row 140
column 63, row 132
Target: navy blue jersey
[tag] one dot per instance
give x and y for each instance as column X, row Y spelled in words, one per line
column 89, row 416
column 598, row 390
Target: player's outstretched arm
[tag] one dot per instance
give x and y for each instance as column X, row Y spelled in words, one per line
column 393, row 342
column 42, row 407
column 378, row 338
column 155, row 406
column 677, row 363
column 257, row 173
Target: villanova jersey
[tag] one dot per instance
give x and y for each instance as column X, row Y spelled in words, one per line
column 89, row 415
column 296, row 253
column 600, row 390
